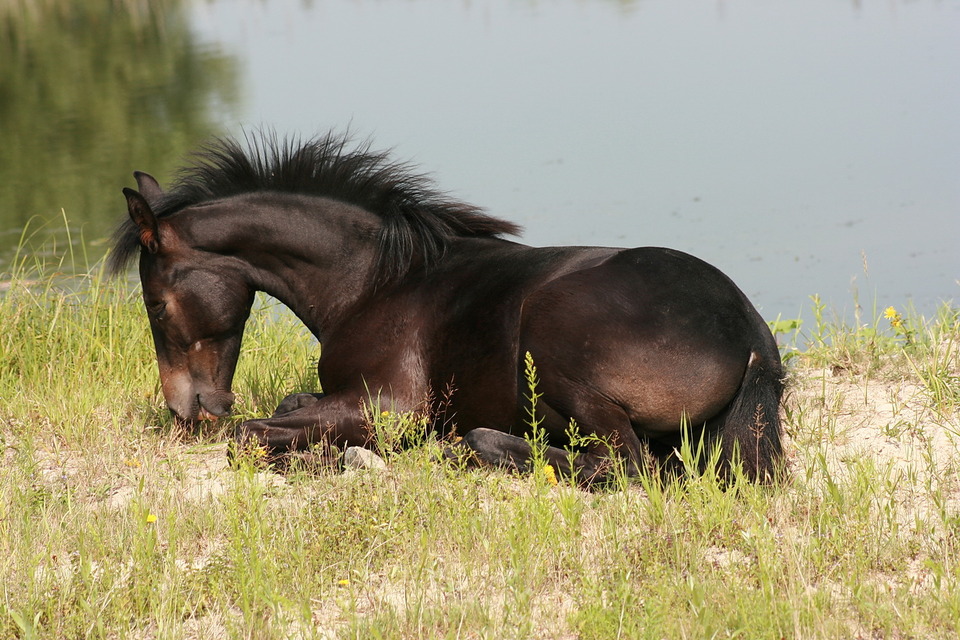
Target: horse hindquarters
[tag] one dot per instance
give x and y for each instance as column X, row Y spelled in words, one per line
column 650, row 340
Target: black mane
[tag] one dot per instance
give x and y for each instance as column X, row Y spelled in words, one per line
column 418, row 220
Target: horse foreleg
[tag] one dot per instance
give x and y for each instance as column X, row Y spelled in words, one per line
column 309, row 419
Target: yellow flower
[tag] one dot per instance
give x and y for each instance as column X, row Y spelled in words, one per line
column 343, row 582
column 549, row 474
column 891, row 314
column 384, row 414
column 151, row 518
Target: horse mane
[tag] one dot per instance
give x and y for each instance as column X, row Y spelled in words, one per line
column 418, row 220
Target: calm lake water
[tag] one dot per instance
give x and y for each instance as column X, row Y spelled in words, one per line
column 804, row 147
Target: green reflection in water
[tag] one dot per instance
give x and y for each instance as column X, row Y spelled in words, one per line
column 90, row 91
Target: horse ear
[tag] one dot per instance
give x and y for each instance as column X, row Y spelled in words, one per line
column 144, row 218
column 148, row 186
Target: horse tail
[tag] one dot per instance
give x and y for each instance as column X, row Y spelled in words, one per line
column 749, row 430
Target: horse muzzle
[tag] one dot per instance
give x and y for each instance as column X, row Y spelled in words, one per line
column 198, row 407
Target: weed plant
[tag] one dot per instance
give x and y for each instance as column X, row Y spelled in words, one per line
column 113, row 523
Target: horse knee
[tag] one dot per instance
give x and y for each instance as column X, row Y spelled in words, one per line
column 296, row 401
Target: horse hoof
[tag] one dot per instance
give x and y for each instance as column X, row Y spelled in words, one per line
column 499, row 449
column 250, row 442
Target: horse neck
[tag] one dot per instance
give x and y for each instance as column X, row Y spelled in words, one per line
column 320, row 297
column 314, row 255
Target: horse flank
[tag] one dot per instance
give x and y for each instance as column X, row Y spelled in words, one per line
column 419, row 221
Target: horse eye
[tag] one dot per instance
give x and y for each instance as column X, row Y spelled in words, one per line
column 158, row 311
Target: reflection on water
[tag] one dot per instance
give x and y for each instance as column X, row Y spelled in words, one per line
column 90, row 91
column 780, row 141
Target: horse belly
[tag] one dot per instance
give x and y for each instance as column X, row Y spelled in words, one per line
column 657, row 396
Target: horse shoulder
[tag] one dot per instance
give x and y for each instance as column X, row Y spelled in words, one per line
column 378, row 350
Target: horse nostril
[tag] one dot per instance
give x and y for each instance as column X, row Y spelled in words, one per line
column 226, row 401
column 215, row 405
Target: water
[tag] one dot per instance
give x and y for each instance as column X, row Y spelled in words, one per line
column 803, row 147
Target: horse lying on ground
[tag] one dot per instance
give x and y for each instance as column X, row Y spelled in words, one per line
column 412, row 293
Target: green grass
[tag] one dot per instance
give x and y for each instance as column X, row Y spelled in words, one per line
column 115, row 524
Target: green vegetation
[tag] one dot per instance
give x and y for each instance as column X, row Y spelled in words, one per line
column 90, row 91
column 115, row 524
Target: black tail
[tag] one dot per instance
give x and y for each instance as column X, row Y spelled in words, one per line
column 749, row 430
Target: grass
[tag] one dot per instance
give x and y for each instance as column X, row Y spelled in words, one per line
column 114, row 524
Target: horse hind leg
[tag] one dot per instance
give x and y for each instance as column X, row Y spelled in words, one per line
column 507, row 451
column 602, row 426
column 604, row 432
column 488, row 447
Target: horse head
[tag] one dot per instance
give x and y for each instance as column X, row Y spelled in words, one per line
column 197, row 306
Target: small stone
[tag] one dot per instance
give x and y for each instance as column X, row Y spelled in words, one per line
column 360, row 458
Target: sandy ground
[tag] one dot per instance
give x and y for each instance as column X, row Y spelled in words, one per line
column 831, row 418
column 892, row 423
